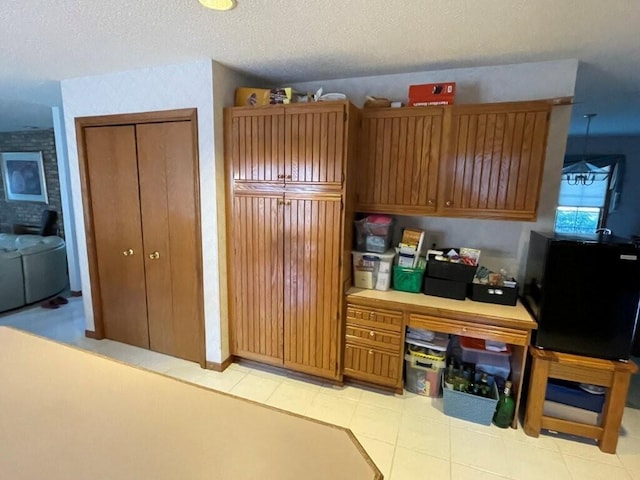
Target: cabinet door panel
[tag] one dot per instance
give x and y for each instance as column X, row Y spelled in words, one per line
column 315, row 146
column 255, row 270
column 375, row 366
column 312, row 246
column 113, row 183
column 497, row 153
column 166, row 163
column 255, row 144
column 399, row 160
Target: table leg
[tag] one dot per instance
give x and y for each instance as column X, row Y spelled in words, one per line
column 613, row 410
column 535, row 400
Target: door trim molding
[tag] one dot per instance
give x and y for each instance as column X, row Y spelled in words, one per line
column 81, row 123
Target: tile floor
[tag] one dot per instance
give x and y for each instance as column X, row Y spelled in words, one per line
column 408, row 436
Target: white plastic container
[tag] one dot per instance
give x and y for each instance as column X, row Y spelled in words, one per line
column 373, row 270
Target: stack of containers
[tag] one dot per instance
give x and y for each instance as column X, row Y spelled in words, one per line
column 425, row 360
column 450, row 279
column 372, row 259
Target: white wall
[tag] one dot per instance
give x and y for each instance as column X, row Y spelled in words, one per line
column 225, row 81
column 152, row 89
column 504, row 243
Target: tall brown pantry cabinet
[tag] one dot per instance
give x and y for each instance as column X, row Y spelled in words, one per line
column 289, row 232
column 140, row 176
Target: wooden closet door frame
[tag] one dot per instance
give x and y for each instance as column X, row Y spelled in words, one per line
column 186, row 114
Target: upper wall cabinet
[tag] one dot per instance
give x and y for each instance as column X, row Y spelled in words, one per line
column 400, row 151
column 297, row 146
column 493, row 168
column 481, row 161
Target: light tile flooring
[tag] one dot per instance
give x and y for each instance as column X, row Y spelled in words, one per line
column 408, row 436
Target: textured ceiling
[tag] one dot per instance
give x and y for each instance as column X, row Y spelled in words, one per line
column 284, row 41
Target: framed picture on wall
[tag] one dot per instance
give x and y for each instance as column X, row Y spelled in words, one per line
column 23, row 176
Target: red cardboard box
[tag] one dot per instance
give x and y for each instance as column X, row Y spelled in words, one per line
column 432, row 94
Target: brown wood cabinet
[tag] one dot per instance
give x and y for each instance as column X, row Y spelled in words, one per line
column 495, row 160
column 386, row 314
column 482, row 161
column 288, row 207
column 374, row 346
column 141, row 211
column 400, row 152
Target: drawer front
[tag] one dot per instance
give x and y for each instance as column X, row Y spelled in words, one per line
column 457, row 327
column 372, row 338
column 371, row 365
column 375, row 319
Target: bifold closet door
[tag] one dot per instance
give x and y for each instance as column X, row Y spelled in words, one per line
column 166, row 165
column 312, row 249
column 256, row 276
column 113, row 183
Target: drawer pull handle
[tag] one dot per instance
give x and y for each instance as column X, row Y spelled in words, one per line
column 464, row 329
column 372, row 333
column 373, row 316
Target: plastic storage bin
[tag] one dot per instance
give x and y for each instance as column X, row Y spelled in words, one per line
column 423, row 371
column 373, row 270
column 407, row 279
column 494, row 294
column 444, row 288
column 494, row 363
column 469, row 407
column 374, row 233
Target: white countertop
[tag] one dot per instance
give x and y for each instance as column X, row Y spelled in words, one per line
column 517, row 312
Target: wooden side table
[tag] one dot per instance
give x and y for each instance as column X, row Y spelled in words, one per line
column 606, row 373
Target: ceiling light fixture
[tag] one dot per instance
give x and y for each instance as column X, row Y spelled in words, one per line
column 218, row 4
column 583, row 172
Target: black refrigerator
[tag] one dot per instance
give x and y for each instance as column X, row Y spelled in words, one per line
column 584, row 292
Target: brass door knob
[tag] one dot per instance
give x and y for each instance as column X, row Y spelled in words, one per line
column 449, row 203
column 372, row 333
column 128, row 252
column 154, row 256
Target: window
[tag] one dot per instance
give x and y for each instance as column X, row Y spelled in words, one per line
column 581, row 208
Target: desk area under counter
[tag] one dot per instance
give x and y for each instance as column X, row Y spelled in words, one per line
column 375, row 329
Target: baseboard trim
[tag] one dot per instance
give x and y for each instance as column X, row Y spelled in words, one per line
column 92, row 334
column 219, row 367
column 74, row 293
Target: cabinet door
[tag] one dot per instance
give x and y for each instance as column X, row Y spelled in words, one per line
column 112, row 177
column 312, row 294
column 167, row 168
column 255, row 145
column 372, row 365
column 314, row 139
column 494, row 167
column 256, row 276
column 399, row 159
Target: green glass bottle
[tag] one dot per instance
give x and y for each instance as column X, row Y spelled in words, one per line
column 505, row 409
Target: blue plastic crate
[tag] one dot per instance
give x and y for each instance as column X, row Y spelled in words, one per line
column 471, row 408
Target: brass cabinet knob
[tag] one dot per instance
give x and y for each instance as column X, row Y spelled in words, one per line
column 373, row 316
column 430, row 202
column 128, row 252
column 281, row 175
column 372, row 333
column 448, row 203
column 370, row 352
column 154, row 255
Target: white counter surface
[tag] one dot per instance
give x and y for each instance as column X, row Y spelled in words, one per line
column 70, row 414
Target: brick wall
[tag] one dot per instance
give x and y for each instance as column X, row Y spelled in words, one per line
column 30, row 213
